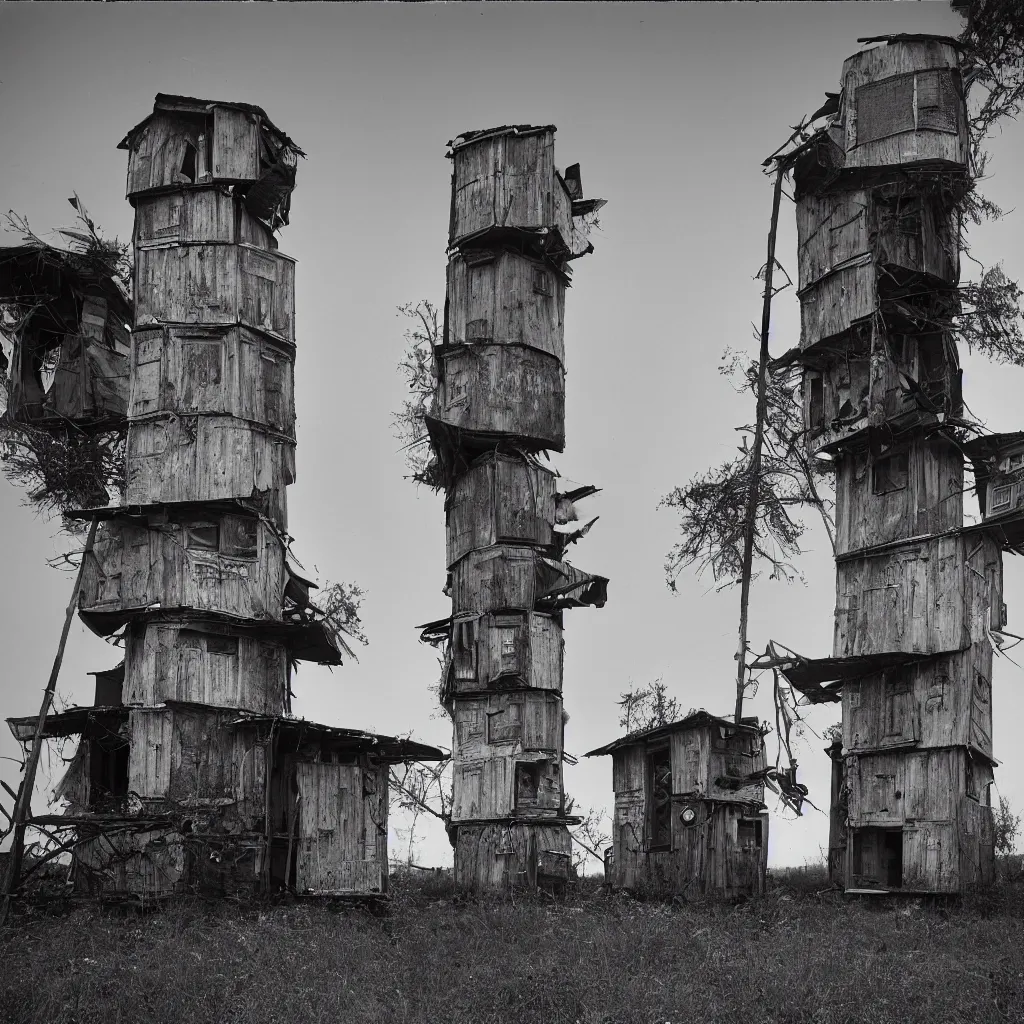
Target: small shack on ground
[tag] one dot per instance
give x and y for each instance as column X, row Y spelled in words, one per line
column 690, row 815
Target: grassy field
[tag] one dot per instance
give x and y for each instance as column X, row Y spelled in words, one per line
column 592, row 958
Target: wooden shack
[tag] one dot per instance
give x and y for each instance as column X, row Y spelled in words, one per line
column 689, row 808
column 929, row 596
column 498, row 296
column 509, row 190
column 911, row 489
column 903, row 106
column 184, row 797
column 187, row 556
column 998, row 464
column 209, row 458
column 490, row 393
column 508, row 757
column 500, row 651
column 69, row 359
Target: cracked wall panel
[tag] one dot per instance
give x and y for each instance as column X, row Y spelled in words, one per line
column 234, row 370
column 216, row 284
column 221, row 563
column 503, row 390
column 929, row 500
column 505, row 299
column 207, row 458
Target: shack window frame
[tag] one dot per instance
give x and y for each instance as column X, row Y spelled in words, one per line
column 891, row 472
column 658, row 817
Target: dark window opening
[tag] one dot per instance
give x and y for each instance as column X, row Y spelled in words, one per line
column 816, row 413
column 890, row 473
column 878, row 857
column 108, row 772
column 202, row 536
column 188, row 164
column 222, row 645
column 239, row 536
column 528, row 775
column 541, row 281
column 659, row 799
column 748, row 833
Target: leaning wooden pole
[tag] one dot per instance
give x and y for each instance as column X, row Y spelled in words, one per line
column 754, row 492
column 24, row 801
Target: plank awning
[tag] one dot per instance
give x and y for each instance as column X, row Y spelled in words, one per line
column 79, row 720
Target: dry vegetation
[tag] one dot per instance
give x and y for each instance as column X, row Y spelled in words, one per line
column 793, row 955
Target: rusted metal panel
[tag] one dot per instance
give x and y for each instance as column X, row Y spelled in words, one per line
column 503, row 392
column 234, row 370
column 342, row 812
column 500, row 499
column 904, row 106
column 905, row 492
column 208, row 562
column 216, row 284
column 204, row 663
column 931, row 596
column 502, row 297
column 207, row 458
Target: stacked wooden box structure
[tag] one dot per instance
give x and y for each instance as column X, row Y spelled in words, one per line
column 689, row 812
column 190, row 773
column 917, row 593
column 516, row 222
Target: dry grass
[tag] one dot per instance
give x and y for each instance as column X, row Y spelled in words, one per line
column 593, row 959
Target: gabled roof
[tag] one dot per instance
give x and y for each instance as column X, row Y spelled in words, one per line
column 694, row 720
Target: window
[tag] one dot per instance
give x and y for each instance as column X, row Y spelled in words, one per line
column 936, row 100
column 187, row 171
column 659, row 799
column 222, row 645
column 541, row 281
column 748, row 833
column 890, row 473
column 108, row 772
column 1001, row 497
column 202, row 536
column 885, row 108
column 239, row 536
column 816, row 410
column 528, row 774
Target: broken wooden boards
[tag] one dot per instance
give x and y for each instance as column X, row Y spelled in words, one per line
column 69, row 359
column 919, row 596
column 221, row 801
column 689, row 808
column 499, row 401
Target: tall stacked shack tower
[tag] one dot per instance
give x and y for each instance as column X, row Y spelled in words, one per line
column 190, row 773
column 917, row 593
column 516, row 223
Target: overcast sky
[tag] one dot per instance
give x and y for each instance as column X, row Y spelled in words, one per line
column 670, row 109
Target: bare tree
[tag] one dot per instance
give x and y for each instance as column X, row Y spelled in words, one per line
column 417, row 365
column 648, row 707
column 418, row 789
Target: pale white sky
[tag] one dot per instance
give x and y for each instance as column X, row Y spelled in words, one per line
column 670, row 109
